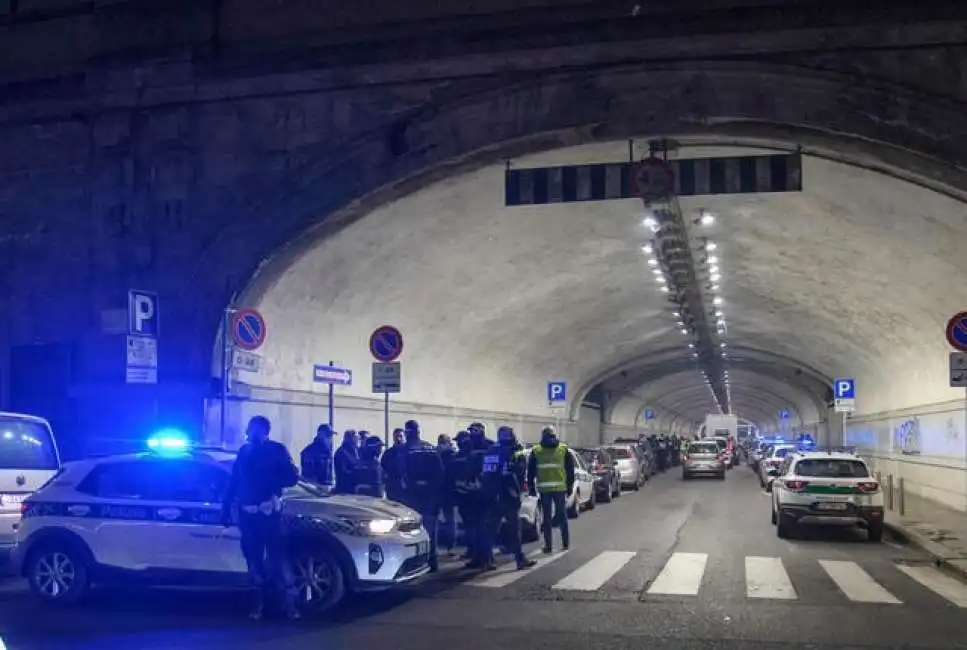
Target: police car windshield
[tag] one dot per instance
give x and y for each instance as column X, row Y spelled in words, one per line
column 831, row 468
column 26, row 445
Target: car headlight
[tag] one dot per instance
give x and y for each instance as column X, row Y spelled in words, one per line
column 378, row 526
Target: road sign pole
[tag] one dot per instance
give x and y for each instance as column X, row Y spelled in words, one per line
column 332, row 393
column 223, row 398
column 386, row 420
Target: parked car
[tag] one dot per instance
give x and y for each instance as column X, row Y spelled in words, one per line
column 769, row 466
column 703, row 458
column 605, row 469
column 630, row 464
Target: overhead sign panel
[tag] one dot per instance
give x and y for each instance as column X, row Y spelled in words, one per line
column 625, row 180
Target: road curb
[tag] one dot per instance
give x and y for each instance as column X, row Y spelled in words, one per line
column 942, row 556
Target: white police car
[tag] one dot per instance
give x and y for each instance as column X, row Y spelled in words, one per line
column 155, row 518
column 827, row 487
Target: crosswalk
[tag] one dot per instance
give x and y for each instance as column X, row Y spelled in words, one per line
column 689, row 575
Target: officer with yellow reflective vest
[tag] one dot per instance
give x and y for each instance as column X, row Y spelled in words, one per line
column 550, row 474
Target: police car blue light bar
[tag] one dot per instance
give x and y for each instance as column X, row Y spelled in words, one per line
column 169, row 440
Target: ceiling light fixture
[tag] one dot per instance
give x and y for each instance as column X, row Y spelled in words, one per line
column 713, row 260
column 707, row 218
column 710, row 246
column 722, row 344
column 664, row 289
column 647, row 249
column 716, row 287
column 713, row 269
column 649, row 222
column 716, row 277
column 652, row 262
column 716, row 300
column 684, row 332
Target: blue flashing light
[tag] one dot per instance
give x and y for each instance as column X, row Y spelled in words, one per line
column 169, row 441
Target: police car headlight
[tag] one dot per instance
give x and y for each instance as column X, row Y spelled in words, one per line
column 379, row 526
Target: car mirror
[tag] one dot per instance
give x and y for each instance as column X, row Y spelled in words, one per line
column 772, row 472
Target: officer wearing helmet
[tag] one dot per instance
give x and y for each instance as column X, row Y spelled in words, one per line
column 503, row 473
column 465, row 470
column 367, row 473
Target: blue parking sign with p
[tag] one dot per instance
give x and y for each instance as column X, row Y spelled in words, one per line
column 844, row 388
column 143, row 313
column 556, row 391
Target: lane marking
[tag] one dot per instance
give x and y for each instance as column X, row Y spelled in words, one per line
column 594, row 574
column 765, row 577
column 938, row 582
column 682, row 575
column 508, row 575
column 856, row 583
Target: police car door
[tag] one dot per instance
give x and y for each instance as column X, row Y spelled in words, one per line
column 190, row 535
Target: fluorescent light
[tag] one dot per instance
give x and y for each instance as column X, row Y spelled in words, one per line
column 675, row 314
column 659, row 278
column 707, row 219
column 647, row 249
column 716, row 287
column 713, row 260
column 714, row 269
column 649, row 222
column 664, row 289
column 653, row 262
column 681, row 324
column 716, row 300
column 716, row 277
column 691, row 345
column 684, row 332
column 722, row 344
column 710, row 246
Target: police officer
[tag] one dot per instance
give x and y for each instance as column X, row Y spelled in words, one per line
column 467, row 489
column 448, row 503
column 391, row 466
column 550, row 472
column 367, row 474
column 316, row 458
column 478, row 433
column 422, row 481
column 504, row 470
column 262, row 470
column 344, row 463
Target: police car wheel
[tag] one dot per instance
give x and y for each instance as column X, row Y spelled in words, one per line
column 574, row 510
column 319, row 580
column 58, row 574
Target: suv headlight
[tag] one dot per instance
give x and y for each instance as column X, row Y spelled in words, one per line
column 371, row 527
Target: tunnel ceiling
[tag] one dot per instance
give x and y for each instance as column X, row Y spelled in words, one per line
column 854, row 276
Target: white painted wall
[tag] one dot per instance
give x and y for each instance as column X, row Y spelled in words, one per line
column 927, row 447
column 295, row 415
column 589, row 427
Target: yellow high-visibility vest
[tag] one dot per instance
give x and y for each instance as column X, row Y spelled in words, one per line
column 551, row 472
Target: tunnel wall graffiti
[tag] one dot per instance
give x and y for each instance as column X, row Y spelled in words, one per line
column 928, row 449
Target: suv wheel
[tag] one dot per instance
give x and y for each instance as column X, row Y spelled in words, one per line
column 58, row 573
column 875, row 532
column 784, row 526
column 319, row 580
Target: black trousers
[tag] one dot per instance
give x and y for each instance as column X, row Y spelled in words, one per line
column 473, row 518
column 502, row 519
column 263, row 545
column 554, row 510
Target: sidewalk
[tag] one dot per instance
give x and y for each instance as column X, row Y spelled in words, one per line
column 938, row 529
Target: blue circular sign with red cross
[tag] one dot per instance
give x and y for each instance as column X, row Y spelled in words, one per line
column 386, row 343
column 248, row 329
column 957, row 331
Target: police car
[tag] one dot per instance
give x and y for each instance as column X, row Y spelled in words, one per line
column 827, row 487
column 155, row 518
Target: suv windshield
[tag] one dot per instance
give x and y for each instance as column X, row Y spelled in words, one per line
column 703, row 448
column 25, row 444
column 619, row 452
column 832, row 468
column 722, row 445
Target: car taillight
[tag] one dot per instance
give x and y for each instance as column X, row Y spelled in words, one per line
column 868, row 486
column 24, row 506
column 796, row 486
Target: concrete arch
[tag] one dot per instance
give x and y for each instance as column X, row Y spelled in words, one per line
column 612, row 107
column 741, row 381
column 748, row 404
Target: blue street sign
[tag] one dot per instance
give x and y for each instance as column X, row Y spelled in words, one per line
column 650, row 414
column 386, row 343
column 332, row 375
column 556, row 391
column 844, row 388
column 784, row 414
column 248, row 329
column 143, row 313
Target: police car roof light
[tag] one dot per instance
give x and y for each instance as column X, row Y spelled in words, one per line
column 169, row 440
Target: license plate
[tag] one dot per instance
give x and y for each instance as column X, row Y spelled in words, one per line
column 12, row 499
column 831, row 506
column 422, row 548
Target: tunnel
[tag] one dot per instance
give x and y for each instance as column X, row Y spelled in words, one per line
column 850, row 277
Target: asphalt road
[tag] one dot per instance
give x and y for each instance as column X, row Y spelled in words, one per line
column 682, row 565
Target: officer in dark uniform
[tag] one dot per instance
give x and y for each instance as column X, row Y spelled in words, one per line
column 465, row 475
column 422, row 482
column 262, row 470
column 368, row 475
column 391, row 466
column 316, row 458
column 344, row 463
column 504, row 472
column 448, row 503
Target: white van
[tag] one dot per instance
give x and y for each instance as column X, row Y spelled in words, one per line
column 28, row 459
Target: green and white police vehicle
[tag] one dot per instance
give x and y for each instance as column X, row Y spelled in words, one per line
column 826, row 487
